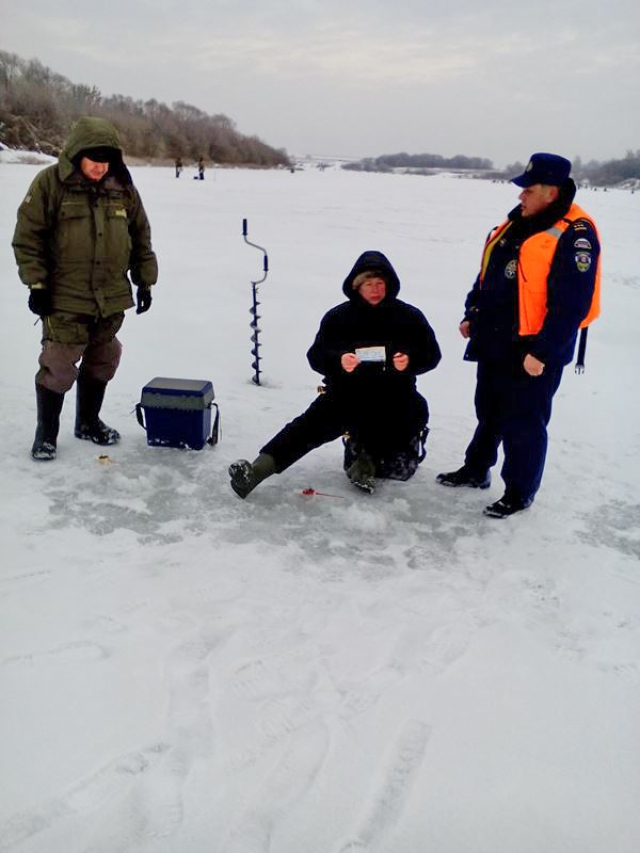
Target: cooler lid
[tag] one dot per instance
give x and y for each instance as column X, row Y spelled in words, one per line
column 167, row 393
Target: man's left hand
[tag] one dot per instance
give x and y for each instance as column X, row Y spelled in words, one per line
column 400, row 361
column 143, row 300
column 40, row 301
column 532, row 365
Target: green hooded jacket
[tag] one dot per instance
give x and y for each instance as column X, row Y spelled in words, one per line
column 82, row 239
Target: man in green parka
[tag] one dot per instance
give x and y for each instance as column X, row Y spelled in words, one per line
column 81, row 232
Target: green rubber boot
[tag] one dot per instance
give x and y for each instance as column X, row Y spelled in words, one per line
column 246, row 475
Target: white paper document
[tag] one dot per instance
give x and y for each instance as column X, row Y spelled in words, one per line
column 371, row 354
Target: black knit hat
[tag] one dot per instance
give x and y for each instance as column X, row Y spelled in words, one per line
column 102, row 154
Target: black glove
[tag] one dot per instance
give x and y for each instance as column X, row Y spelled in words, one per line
column 40, row 302
column 143, row 299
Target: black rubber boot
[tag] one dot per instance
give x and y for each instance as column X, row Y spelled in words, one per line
column 246, row 475
column 90, row 394
column 49, row 405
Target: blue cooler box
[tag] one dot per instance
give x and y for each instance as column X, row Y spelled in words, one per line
column 177, row 413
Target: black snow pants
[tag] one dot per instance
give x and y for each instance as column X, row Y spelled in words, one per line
column 382, row 427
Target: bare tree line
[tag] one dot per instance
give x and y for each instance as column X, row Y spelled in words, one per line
column 600, row 174
column 38, row 106
column 625, row 170
column 418, row 162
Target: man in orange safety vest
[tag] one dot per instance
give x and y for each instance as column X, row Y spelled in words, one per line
column 539, row 283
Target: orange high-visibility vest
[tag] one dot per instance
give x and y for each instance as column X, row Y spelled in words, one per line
column 534, row 265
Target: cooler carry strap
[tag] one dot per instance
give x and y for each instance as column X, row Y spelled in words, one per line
column 216, row 430
column 140, row 415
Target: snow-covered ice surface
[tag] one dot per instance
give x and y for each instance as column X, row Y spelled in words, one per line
column 185, row 672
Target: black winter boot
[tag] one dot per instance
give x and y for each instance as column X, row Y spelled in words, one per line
column 90, row 394
column 506, row 506
column 246, row 475
column 49, row 405
column 464, row 477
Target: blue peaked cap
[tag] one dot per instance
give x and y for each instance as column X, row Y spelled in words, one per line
column 544, row 168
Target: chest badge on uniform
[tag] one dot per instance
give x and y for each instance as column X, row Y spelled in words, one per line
column 583, row 261
column 511, row 269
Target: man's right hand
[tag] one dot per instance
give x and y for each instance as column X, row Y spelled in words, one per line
column 465, row 329
column 349, row 361
column 40, row 301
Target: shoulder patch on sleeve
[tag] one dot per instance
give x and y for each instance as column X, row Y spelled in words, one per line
column 583, row 261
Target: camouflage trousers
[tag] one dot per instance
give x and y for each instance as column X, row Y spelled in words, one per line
column 69, row 338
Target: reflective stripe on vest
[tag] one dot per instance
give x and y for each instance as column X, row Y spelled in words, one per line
column 534, row 265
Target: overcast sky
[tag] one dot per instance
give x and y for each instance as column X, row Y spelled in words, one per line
column 359, row 78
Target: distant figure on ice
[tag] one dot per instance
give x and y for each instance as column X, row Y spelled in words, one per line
column 178, row 166
column 201, row 169
column 539, row 282
column 370, row 350
column 80, row 230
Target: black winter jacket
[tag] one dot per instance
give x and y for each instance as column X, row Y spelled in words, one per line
column 392, row 324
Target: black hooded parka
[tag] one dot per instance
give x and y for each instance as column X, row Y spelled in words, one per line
column 393, row 324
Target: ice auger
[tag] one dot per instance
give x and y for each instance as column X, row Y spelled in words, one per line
column 255, row 352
